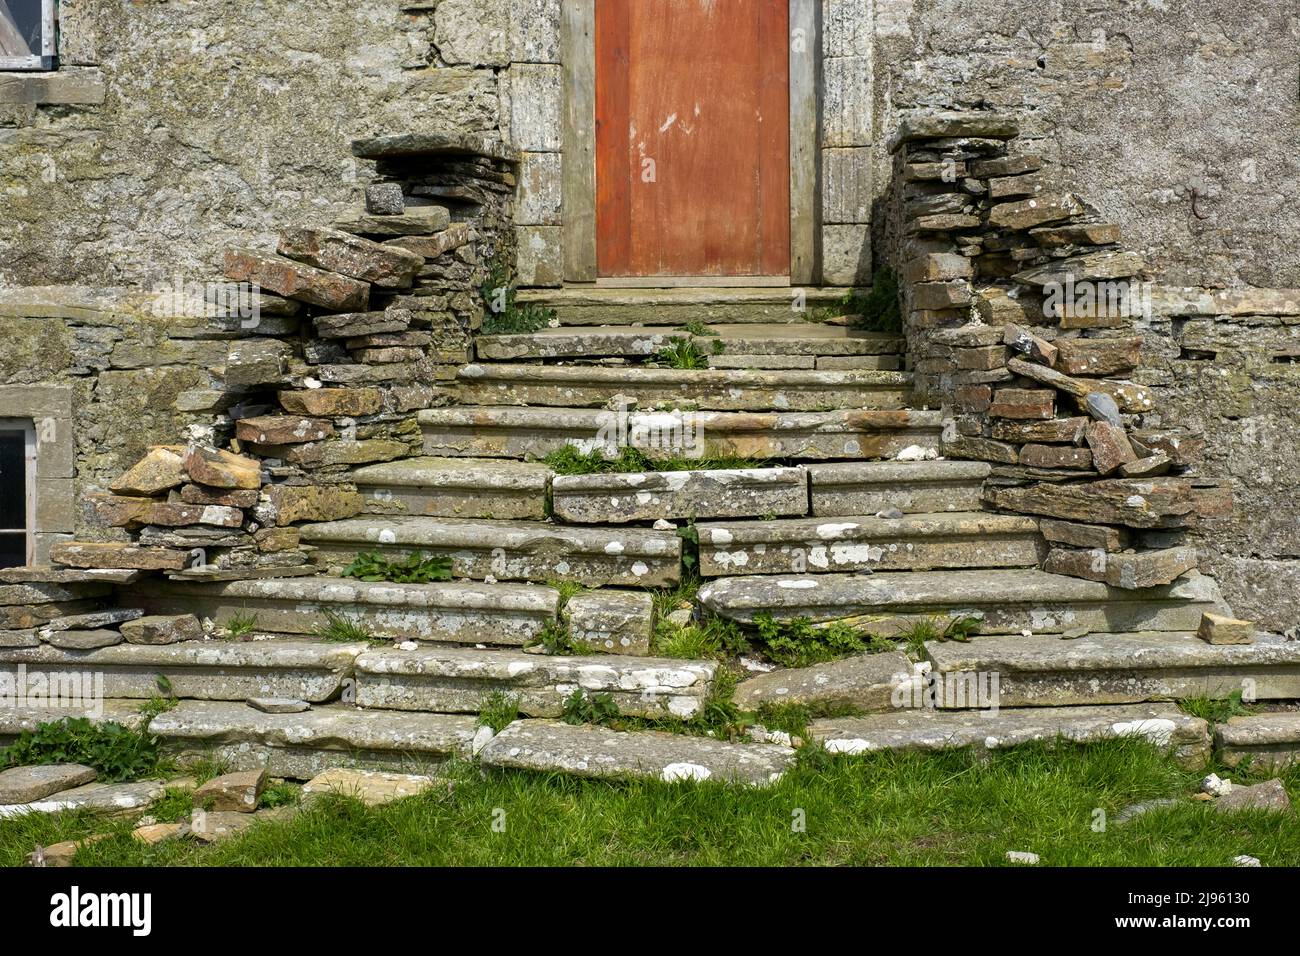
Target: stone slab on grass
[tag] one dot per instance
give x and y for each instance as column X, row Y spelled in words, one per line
column 1270, row 795
column 1271, row 740
column 26, row 784
column 237, row 792
column 98, row 797
column 866, row 681
column 591, row 751
column 372, row 787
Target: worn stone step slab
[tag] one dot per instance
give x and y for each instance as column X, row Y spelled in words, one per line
column 804, row 339
column 866, row 543
column 459, row 680
column 864, row 681
column 1005, row 601
column 927, row 487
column 567, row 386
column 511, row 432
column 661, row 307
column 592, row 751
column 27, row 713
column 203, row 670
column 508, row 550
column 110, row 798
column 300, row 746
column 647, row 496
column 457, row 612
column 26, row 784
column 1265, row 740
column 927, row 729
column 455, row 488
column 1044, row 670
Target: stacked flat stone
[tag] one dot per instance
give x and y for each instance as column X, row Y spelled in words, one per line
column 998, row 267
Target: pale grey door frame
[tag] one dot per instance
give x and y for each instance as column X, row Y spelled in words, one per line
column 28, row 428
column 578, row 189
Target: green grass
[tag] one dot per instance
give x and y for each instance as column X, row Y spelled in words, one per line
column 876, row 310
column 340, row 629
column 241, row 623
column 502, row 313
column 1217, row 710
column 568, row 460
column 684, row 353
column 498, row 711
column 415, row 568
column 877, row 809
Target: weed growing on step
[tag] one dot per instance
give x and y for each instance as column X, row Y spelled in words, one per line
column 174, row 806
column 503, row 314
column 241, row 623
column 279, row 794
column 581, row 707
column 340, row 629
column 116, row 752
column 556, row 638
column 797, row 643
column 414, row 569
column 156, row 705
column 711, row 638
column 699, row 329
column 1217, row 710
column 568, row 460
column 915, row 636
column 498, row 711
column 876, row 310
column 684, row 354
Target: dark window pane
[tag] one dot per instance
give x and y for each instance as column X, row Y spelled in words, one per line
column 13, row 550
column 13, row 481
column 20, row 27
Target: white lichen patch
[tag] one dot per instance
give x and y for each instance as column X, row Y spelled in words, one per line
column 685, row 771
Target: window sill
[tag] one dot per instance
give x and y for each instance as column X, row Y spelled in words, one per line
column 71, row 86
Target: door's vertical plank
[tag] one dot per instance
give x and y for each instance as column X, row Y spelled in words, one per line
column 578, row 173
column 772, row 149
column 613, row 163
column 805, row 206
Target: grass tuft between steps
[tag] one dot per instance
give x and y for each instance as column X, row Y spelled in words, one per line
column 903, row 809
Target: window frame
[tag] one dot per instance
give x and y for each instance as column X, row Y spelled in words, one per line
column 44, row 60
column 28, row 427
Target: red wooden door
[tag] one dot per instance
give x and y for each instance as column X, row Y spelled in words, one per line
column 692, row 138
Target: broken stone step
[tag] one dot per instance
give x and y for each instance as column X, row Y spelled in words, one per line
column 1043, row 670
column 1266, row 740
column 912, row 542
column 457, row 612
column 300, row 746
column 569, row 386
column 647, row 496
column 591, row 751
column 459, row 680
column 803, row 339
column 1005, row 601
column 512, row 432
column 926, row 487
column 109, row 798
column 203, row 670
column 507, row 550
column 927, row 729
column 27, row 714
column 660, row 307
column 455, row 488
column 866, row 682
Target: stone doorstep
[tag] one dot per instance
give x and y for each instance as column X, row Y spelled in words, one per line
column 509, row 550
column 1044, row 670
column 455, row 680
column 592, row 751
column 645, row 341
column 516, row 432
column 865, row 543
column 1006, row 601
column 512, row 614
column 581, row 306
column 712, row 389
column 928, row 487
column 646, row 496
column 300, row 746
column 204, row 670
column 455, row 488
column 927, row 729
column 1270, row 740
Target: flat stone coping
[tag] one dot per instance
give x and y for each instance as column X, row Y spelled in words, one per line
column 592, row 751
column 411, row 145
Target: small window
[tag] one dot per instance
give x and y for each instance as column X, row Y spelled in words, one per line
column 17, row 491
column 26, row 34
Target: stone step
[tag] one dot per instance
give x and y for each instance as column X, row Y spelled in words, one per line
column 508, row 550
column 913, row 542
column 455, row 488
column 25, row 714
column 868, row 487
column 927, row 729
column 461, row 613
column 1115, row 668
column 804, row 340
column 1005, row 601
column 589, row 305
column 1266, row 740
column 202, row 670
column 647, row 496
column 459, row 680
column 512, row 432
column 300, row 746
column 727, row 390
column 591, row 751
